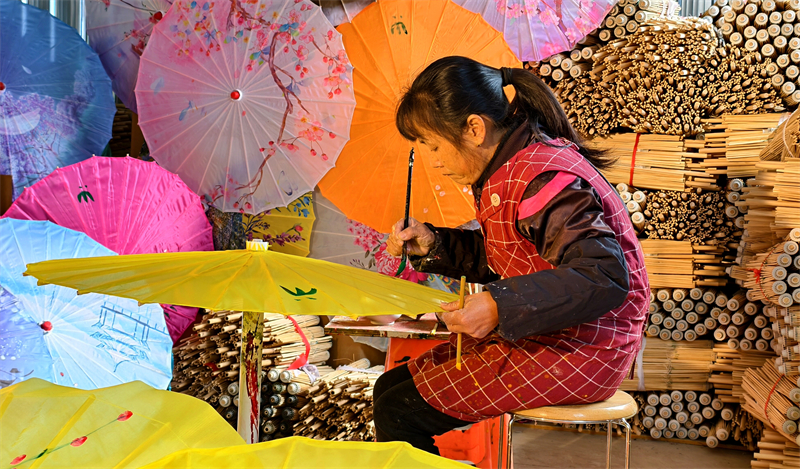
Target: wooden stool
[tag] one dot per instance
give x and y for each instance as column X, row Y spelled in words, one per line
column 616, row 409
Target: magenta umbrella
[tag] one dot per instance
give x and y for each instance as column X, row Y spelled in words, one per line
column 127, row 205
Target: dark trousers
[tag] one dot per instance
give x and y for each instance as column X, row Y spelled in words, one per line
column 401, row 414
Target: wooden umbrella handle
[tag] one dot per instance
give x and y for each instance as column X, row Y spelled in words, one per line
column 460, row 306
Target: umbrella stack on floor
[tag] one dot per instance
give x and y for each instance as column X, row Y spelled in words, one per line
column 682, row 264
column 282, row 398
column 207, row 362
column 339, row 404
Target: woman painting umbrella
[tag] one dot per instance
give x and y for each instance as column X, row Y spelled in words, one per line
column 566, row 293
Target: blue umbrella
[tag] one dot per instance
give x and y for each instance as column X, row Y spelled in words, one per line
column 49, row 332
column 56, row 105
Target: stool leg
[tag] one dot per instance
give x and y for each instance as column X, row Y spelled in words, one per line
column 627, row 426
column 508, row 447
column 608, row 445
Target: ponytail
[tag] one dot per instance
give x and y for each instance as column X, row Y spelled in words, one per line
column 451, row 89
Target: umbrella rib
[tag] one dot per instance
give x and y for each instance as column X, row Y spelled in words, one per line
column 189, row 154
column 247, row 84
column 191, row 57
column 145, row 59
column 164, row 116
column 292, row 116
column 381, row 89
column 125, row 39
column 230, row 83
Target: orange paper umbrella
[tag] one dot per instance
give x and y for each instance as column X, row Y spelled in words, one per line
column 389, row 43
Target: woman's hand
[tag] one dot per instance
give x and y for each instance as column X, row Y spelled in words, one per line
column 477, row 319
column 418, row 237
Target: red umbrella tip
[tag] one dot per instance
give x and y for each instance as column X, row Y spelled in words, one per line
column 236, row 95
column 2, row 86
column 46, row 326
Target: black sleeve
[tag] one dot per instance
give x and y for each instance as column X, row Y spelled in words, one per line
column 590, row 278
column 455, row 253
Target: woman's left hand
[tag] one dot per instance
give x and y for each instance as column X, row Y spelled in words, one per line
column 478, row 317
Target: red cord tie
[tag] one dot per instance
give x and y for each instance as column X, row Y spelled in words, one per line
column 633, row 158
column 769, row 396
column 302, row 360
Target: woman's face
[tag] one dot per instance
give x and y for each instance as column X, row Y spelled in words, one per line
column 464, row 166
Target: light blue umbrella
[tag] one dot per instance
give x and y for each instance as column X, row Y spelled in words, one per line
column 56, row 105
column 49, row 332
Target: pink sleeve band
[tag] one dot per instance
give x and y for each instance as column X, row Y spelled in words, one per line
column 532, row 205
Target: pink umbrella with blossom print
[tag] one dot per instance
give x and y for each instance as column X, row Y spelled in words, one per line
column 249, row 102
column 537, row 29
column 119, row 31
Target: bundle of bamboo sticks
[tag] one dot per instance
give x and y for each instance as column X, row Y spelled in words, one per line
column 773, row 398
column 776, row 452
column 673, row 365
column 281, row 399
column 769, row 28
column 773, row 276
column 727, row 371
column 207, row 362
column 659, row 161
column 681, row 264
column 339, row 405
column 784, row 143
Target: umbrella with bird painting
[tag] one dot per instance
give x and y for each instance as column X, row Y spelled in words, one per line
column 248, row 102
column 537, row 29
column 52, row 333
column 56, row 105
column 119, row 31
column 127, row 205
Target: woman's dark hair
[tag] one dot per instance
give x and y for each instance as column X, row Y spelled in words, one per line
column 451, row 89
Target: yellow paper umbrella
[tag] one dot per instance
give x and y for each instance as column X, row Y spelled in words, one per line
column 389, row 43
column 130, row 425
column 286, row 229
column 243, row 280
column 299, row 452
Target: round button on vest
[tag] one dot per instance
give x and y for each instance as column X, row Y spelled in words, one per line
column 495, row 200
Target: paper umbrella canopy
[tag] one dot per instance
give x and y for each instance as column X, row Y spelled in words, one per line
column 248, row 102
column 244, row 280
column 56, row 105
column 83, row 341
column 126, row 426
column 129, row 206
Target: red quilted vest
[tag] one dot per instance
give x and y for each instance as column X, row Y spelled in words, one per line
column 510, row 254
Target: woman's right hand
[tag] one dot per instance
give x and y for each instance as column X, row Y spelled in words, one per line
column 418, row 237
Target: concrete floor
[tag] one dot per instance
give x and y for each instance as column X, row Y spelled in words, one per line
column 538, row 448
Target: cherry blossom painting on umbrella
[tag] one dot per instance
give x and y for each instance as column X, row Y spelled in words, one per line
column 119, row 31
column 56, row 105
column 249, row 102
column 537, row 29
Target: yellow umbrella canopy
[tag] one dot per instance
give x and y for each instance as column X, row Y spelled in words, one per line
column 299, row 452
column 130, row 425
column 243, row 280
column 286, row 229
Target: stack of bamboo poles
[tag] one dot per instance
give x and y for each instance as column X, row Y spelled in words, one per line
column 659, row 162
column 787, row 189
column 681, row 264
column 691, row 415
column 759, row 201
column 673, row 365
column 784, row 143
column 776, row 452
column 207, row 362
column 773, row 276
column 770, row 28
column 281, row 401
column 727, row 371
column 120, row 143
column 627, row 15
column 339, row 405
column 773, row 398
